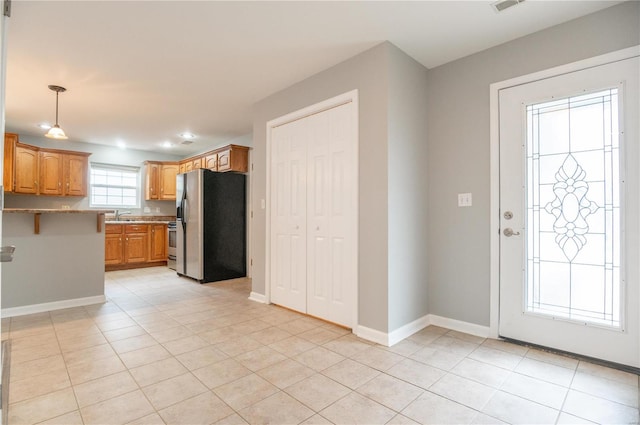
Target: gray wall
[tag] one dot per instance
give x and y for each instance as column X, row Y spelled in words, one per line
column 407, row 191
column 367, row 72
column 458, row 152
column 65, row 261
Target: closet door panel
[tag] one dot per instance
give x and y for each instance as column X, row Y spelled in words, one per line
column 329, row 226
column 288, row 209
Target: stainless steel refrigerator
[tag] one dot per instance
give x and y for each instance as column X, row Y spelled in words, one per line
column 211, row 222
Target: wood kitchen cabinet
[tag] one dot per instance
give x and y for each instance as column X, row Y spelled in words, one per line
column 10, row 140
column 50, row 173
column 135, row 245
column 160, row 180
column 227, row 158
column 113, row 244
column 75, row 170
column 40, row 171
column 152, row 177
column 157, row 242
column 63, row 174
column 26, row 169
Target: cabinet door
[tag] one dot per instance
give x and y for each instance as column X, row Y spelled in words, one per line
column 182, row 168
column 76, row 169
column 50, row 173
column 197, row 163
column 188, row 166
column 224, row 160
column 113, row 249
column 168, row 173
column 211, row 162
column 10, row 140
column 26, row 172
column 157, row 250
column 136, row 248
column 151, row 181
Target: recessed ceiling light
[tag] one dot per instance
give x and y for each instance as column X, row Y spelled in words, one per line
column 167, row 145
column 187, row 135
column 44, row 126
column 121, row 144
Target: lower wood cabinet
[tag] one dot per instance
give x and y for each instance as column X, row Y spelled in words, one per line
column 135, row 245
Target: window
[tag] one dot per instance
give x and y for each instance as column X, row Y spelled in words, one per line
column 114, row 186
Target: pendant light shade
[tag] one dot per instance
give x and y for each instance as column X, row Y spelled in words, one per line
column 56, row 132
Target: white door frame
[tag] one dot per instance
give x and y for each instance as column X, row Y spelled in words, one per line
column 349, row 97
column 494, row 130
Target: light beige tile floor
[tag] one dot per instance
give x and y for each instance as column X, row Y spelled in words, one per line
column 166, row 350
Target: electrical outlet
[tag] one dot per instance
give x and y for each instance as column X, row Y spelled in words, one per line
column 464, row 200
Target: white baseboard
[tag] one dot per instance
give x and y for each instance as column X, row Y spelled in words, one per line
column 460, row 326
column 392, row 338
column 55, row 305
column 259, row 298
column 372, row 335
column 408, row 330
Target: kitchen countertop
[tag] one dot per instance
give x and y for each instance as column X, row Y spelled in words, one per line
column 136, row 222
column 54, row 211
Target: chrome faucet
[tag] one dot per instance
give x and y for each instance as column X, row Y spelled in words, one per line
column 120, row 214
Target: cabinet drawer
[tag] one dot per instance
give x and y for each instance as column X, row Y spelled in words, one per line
column 136, row 228
column 113, row 228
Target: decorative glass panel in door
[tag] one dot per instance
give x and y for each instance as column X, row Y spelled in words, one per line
column 573, row 208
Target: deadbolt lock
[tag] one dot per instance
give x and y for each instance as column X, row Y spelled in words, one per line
column 508, row 215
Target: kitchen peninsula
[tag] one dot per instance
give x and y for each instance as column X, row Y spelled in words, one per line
column 59, row 259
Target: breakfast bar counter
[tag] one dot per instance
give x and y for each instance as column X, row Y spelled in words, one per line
column 58, row 262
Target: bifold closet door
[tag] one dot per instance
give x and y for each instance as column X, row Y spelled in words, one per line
column 330, row 208
column 314, row 215
column 289, row 215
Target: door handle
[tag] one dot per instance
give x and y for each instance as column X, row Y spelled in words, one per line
column 508, row 232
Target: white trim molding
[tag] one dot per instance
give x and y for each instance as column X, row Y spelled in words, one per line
column 460, row 326
column 259, row 298
column 394, row 337
column 494, row 137
column 55, row 305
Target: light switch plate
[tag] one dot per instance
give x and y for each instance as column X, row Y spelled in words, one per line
column 464, row 200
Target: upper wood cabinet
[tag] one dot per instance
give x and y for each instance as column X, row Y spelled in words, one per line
column 50, row 173
column 168, row 173
column 210, row 162
column 40, row 171
column 25, row 179
column 10, row 140
column 63, row 174
column 152, row 185
column 227, row 158
column 160, row 180
column 75, row 169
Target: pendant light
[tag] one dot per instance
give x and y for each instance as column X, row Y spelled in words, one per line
column 56, row 132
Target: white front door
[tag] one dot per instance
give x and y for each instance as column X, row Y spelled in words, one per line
column 569, row 212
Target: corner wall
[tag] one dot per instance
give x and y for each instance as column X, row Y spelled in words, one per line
column 458, row 152
column 407, row 191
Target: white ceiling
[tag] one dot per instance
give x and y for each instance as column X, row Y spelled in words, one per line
column 144, row 72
